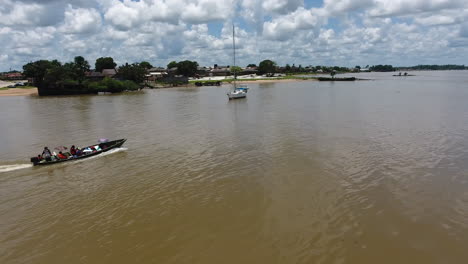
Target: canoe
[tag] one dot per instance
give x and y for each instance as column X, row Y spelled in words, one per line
column 104, row 148
column 322, row 79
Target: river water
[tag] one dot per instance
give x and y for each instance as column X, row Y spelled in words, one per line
column 299, row 172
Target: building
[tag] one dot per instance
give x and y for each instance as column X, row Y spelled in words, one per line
column 98, row 76
column 156, row 73
column 94, row 76
column 12, row 76
column 109, row 73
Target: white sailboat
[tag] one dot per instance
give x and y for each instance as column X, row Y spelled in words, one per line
column 241, row 91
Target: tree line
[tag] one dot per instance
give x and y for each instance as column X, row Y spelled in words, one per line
column 436, row 67
column 56, row 78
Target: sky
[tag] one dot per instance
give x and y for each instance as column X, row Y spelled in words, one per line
column 300, row 32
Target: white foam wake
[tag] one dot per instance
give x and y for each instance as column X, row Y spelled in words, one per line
column 13, row 167
column 112, row 151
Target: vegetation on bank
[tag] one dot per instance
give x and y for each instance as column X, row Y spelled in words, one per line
column 435, row 67
column 76, row 77
column 284, row 77
column 390, row 68
column 382, row 68
column 55, row 78
column 185, row 68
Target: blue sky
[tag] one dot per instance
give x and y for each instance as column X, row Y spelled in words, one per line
column 311, row 32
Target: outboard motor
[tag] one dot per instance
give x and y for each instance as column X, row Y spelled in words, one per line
column 35, row 160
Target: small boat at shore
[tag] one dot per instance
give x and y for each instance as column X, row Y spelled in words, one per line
column 102, row 147
column 322, row 79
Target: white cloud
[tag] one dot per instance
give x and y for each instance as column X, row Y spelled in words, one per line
column 81, row 20
column 281, row 28
column 435, row 20
column 339, row 32
column 464, row 30
column 3, row 57
column 282, row 6
column 204, row 11
column 21, row 14
column 123, row 15
column 32, row 37
column 337, row 7
column 404, row 7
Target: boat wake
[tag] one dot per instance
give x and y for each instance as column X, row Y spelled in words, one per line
column 13, row 167
column 112, row 151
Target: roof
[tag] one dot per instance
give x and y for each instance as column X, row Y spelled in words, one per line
column 157, row 69
column 109, row 72
column 94, row 74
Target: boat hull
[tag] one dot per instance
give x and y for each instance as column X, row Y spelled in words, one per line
column 322, row 79
column 108, row 146
column 232, row 96
column 238, row 93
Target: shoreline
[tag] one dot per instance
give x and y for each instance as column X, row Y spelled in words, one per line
column 19, row 92
column 276, row 80
column 34, row 92
column 191, row 84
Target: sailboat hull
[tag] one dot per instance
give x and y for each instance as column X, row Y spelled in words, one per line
column 234, row 95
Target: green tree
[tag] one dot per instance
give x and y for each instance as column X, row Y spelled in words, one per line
column 132, row 72
column 267, row 66
column 146, row 65
column 287, row 68
column 382, row 68
column 57, row 74
column 172, row 64
column 38, row 69
column 187, row 68
column 251, row 66
column 81, row 66
column 235, row 70
column 104, row 63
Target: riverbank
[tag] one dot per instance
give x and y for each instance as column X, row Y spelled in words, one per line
column 255, row 79
column 276, row 80
column 18, row 91
column 31, row 91
column 228, row 81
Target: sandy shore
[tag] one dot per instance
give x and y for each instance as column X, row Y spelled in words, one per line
column 18, row 92
column 240, row 81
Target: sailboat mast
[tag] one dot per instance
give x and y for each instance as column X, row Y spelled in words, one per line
column 234, row 50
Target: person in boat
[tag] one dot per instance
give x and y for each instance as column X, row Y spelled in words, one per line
column 79, row 152
column 73, row 150
column 46, row 154
column 61, row 155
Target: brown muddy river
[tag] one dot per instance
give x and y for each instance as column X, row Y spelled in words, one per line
column 299, row 172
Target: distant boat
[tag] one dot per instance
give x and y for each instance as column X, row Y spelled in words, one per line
column 241, row 91
column 103, row 147
column 404, row 75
